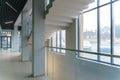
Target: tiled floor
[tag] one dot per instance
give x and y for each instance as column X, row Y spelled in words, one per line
column 11, row 68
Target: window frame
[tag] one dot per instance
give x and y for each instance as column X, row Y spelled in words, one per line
column 98, row 31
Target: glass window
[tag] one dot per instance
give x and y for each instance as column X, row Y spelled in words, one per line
column 63, row 40
column 88, row 40
column 4, row 42
column 88, row 34
column 105, row 29
column 98, row 20
column 89, row 56
column 105, row 59
column 101, row 2
column 54, row 41
column 92, row 5
column 58, row 41
column 9, row 42
column 105, row 32
column 116, row 27
column 50, row 43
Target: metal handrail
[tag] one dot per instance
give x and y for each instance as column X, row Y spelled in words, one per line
column 109, row 55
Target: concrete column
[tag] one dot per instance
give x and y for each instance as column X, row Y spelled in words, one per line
column 38, row 38
column 15, row 39
column 24, row 39
column 71, row 36
column 81, row 31
column 46, row 56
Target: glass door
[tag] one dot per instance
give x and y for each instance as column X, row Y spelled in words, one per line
column 5, row 42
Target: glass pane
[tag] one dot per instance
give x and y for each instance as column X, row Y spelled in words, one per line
column 50, row 43
column 105, row 59
column 4, row 42
column 103, row 1
column 116, row 61
column 116, row 25
column 92, row 5
column 105, row 29
column 89, row 56
column 58, row 41
column 9, row 42
column 54, row 41
column 105, row 32
column 88, row 32
column 63, row 40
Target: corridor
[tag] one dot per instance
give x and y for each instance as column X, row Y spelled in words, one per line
column 11, row 68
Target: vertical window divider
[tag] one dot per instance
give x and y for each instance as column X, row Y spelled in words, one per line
column 78, row 35
column 1, row 41
column 98, row 30
column 7, row 41
column 112, row 29
column 10, row 42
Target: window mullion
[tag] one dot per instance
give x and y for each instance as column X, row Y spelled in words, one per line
column 98, row 30
column 112, row 31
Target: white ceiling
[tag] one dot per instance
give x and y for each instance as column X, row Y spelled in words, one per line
column 61, row 14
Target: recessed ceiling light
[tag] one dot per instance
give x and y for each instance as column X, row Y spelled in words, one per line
column 9, row 22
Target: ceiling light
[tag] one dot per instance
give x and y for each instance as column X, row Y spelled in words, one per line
column 11, row 6
column 9, row 22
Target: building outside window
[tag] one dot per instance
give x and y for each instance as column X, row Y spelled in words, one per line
column 54, row 41
column 58, row 39
column 116, row 28
column 5, row 39
column 63, row 40
column 99, row 30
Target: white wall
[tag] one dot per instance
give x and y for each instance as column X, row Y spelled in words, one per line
column 71, row 36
